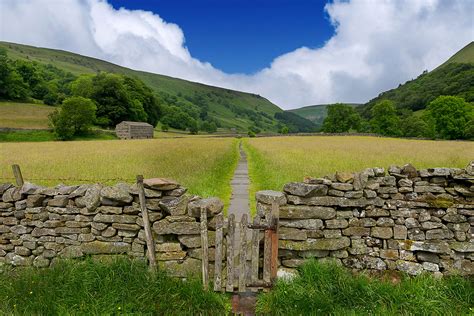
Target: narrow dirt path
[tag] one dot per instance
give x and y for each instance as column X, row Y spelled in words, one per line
column 239, row 200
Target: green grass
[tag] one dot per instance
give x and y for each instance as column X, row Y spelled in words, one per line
column 46, row 136
column 465, row 55
column 278, row 160
column 203, row 165
column 115, row 287
column 24, row 115
column 216, row 98
column 327, row 289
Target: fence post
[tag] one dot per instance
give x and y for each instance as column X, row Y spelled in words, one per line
column 146, row 224
column 218, row 258
column 205, row 249
column 274, row 241
column 17, row 174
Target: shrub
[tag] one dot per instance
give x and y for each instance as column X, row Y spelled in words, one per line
column 76, row 116
column 451, row 116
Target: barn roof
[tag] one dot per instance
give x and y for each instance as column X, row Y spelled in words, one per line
column 135, row 123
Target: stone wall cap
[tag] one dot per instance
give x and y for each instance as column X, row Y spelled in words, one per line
column 269, row 197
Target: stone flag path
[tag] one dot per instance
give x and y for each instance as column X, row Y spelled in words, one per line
column 239, row 201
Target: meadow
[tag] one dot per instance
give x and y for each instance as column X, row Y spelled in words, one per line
column 204, row 166
column 275, row 161
column 24, row 115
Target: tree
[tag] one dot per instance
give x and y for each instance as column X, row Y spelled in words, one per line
column 384, row 119
column 451, row 116
column 415, row 126
column 209, row 127
column 284, row 130
column 75, row 116
column 341, row 118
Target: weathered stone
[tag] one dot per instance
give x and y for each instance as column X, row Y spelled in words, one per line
column 332, row 233
column 427, row 246
column 182, row 268
column 416, row 234
column 17, row 260
column 161, row 184
column 110, row 210
column 85, row 237
column 376, row 212
column 439, row 234
column 302, row 223
column 405, row 183
column 171, row 255
column 100, row 247
column 269, row 197
column 68, row 230
column 336, row 223
column 292, row 233
column 365, row 262
column 306, row 212
column 122, row 219
column 22, row 251
column 305, row 189
column 168, row 247
column 194, row 241
column 315, row 244
column 463, row 190
column 365, row 222
column 385, row 222
column 29, row 188
column 370, row 194
column 390, row 254
column 4, row 187
column 454, row 218
column 344, row 176
column 342, row 186
column 334, row 201
column 428, row 266
column 91, row 199
column 174, row 205
column 37, row 232
column 12, row 195
column 382, row 232
column 116, row 195
column 109, row 232
column 354, row 194
column 409, row 267
column 41, row 262
column 164, row 227
column 153, row 204
column 333, row 192
column 149, row 193
column 72, row 252
column 431, row 225
column 59, row 201
column 429, row 189
column 176, row 192
column 400, row 232
column 356, row 231
column 427, row 256
column 387, row 190
column 462, row 246
column 131, row 227
column 212, row 205
column 34, row 200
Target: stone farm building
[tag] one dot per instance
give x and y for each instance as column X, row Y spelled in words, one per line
column 133, row 130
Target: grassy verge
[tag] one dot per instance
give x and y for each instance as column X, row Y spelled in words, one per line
column 48, row 136
column 324, row 289
column 97, row 288
column 204, row 166
column 278, row 160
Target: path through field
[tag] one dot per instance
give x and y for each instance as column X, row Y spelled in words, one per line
column 239, row 201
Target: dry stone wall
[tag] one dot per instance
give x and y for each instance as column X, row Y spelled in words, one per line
column 38, row 225
column 404, row 219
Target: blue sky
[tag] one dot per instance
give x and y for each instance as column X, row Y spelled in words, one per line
column 242, row 36
column 293, row 52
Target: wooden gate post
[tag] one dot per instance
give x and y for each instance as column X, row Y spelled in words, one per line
column 150, row 244
column 274, row 241
column 218, row 258
column 17, row 174
column 205, row 249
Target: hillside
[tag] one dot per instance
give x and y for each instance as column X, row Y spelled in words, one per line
column 233, row 109
column 454, row 77
column 24, row 115
column 315, row 113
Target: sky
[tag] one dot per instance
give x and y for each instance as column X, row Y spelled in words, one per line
column 293, row 52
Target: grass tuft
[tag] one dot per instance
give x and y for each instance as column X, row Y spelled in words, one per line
column 90, row 287
column 329, row 289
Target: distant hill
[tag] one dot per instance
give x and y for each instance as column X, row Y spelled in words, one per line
column 233, row 109
column 315, row 113
column 454, row 77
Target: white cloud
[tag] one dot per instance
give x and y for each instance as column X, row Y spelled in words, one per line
column 377, row 44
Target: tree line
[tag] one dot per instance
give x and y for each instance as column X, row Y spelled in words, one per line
column 446, row 117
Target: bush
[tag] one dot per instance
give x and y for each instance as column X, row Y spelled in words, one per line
column 451, row 116
column 90, row 287
column 76, row 116
column 328, row 289
column 251, row 134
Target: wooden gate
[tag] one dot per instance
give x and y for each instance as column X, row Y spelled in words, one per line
column 242, row 246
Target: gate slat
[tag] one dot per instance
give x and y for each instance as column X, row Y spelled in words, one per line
column 230, row 253
column 267, row 252
column 243, row 253
column 205, row 249
column 218, row 259
column 255, row 251
column 274, row 242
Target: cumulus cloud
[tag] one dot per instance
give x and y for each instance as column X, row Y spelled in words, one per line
column 377, row 44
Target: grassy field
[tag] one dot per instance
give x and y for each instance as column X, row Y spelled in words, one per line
column 24, row 115
column 104, row 288
column 205, row 166
column 325, row 289
column 278, row 160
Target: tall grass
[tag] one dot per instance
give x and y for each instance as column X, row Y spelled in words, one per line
column 205, row 166
column 90, row 287
column 24, row 115
column 328, row 289
column 279, row 160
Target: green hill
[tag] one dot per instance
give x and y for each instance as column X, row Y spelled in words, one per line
column 315, row 113
column 233, row 109
column 454, row 77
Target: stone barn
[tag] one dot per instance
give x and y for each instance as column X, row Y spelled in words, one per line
column 133, row 130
